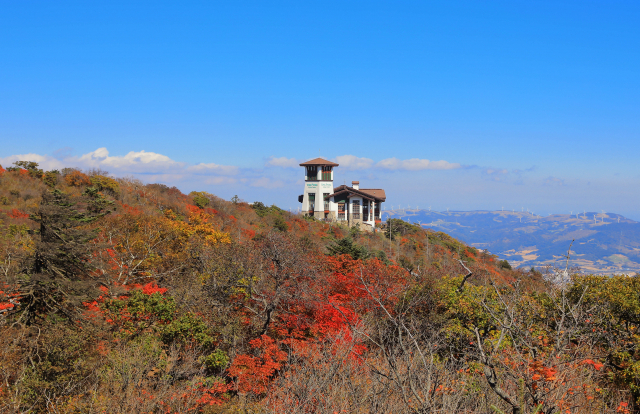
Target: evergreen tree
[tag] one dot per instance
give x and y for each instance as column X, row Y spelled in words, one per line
column 58, row 276
column 347, row 246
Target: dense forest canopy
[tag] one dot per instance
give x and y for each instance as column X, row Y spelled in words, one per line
column 123, row 297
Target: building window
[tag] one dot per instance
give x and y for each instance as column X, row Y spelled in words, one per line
column 312, row 201
column 341, row 211
column 312, row 172
column 326, row 201
column 355, row 209
column 326, row 173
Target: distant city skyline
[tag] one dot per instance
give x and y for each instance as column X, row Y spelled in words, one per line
column 453, row 104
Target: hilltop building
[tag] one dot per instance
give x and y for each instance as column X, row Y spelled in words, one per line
column 351, row 205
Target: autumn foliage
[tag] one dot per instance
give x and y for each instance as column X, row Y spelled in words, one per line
column 120, row 296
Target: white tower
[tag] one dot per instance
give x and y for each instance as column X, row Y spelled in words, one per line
column 318, row 183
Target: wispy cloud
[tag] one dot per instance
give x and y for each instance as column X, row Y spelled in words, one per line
column 211, row 168
column 553, row 181
column 352, row 162
column 282, row 162
column 416, row 164
column 265, row 182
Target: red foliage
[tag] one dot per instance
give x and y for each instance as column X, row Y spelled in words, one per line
column 253, row 373
column 93, row 307
column 324, row 312
column 210, row 211
column 17, row 214
column 598, row 366
column 193, row 209
column 149, row 289
column 248, row 233
column 129, row 209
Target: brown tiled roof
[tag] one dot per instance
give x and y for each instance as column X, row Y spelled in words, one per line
column 319, row 161
column 375, row 192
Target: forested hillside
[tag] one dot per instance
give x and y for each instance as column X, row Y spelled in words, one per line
column 123, row 297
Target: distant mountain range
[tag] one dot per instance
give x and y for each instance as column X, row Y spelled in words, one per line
column 604, row 242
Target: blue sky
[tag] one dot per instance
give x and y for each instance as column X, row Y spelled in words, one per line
column 528, row 104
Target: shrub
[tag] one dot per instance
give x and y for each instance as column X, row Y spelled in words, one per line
column 77, row 179
column 504, row 264
column 107, row 184
column 200, row 199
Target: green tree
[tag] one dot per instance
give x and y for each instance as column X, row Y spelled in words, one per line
column 30, row 166
column 504, row 264
column 347, row 246
column 57, row 278
column 200, row 199
column 280, row 224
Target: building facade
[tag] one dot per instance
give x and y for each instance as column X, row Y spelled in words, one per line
column 351, row 205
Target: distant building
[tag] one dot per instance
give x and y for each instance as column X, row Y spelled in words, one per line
column 351, row 205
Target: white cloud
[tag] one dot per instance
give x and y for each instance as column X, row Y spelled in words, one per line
column 351, row 162
column 44, row 161
column 140, row 161
column 282, row 162
column 416, row 164
column 153, row 165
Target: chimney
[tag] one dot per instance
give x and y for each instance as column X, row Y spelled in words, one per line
column 355, row 185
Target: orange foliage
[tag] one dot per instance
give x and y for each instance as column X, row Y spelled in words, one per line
column 77, row 179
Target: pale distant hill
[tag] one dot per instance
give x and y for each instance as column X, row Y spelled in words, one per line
column 608, row 243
